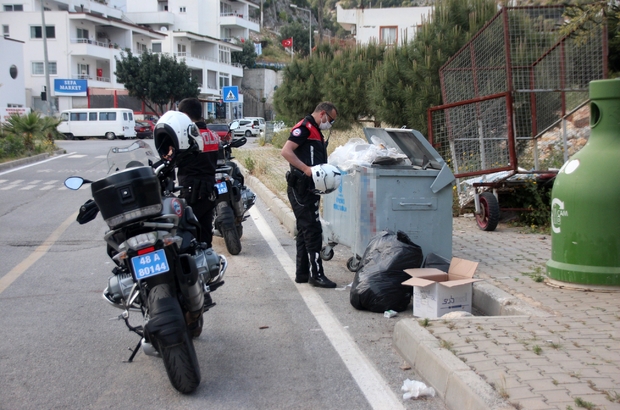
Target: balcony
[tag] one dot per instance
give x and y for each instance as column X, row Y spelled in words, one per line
column 239, row 20
column 153, row 18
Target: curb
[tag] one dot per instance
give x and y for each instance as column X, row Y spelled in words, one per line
column 29, row 160
column 282, row 211
column 459, row 386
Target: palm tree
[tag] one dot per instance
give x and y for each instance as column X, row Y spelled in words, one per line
column 32, row 127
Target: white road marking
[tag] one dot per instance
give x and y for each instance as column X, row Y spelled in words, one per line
column 27, row 187
column 101, row 156
column 369, row 380
column 9, row 187
column 77, row 156
column 50, row 182
column 47, row 187
column 35, row 163
column 3, row 180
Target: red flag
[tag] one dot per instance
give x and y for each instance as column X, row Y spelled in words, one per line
column 287, row 42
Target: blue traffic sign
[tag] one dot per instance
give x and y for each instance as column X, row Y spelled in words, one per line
column 230, row 94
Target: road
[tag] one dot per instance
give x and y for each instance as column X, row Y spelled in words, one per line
column 268, row 344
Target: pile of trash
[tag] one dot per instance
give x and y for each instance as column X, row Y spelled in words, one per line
column 357, row 152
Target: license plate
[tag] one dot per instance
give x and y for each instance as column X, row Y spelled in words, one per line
column 150, row 264
column 221, row 187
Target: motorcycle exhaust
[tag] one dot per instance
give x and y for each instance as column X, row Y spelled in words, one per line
column 190, row 287
column 149, row 349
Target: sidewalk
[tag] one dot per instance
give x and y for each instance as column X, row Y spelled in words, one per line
column 565, row 355
column 552, row 348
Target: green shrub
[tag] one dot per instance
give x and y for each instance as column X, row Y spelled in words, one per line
column 279, row 138
column 11, row 146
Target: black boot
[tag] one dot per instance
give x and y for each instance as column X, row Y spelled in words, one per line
column 317, row 276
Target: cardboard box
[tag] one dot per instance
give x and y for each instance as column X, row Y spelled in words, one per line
column 436, row 293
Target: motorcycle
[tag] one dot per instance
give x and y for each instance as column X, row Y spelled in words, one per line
column 161, row 270
column 234, row 198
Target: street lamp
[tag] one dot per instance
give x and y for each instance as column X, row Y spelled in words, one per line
column 309, row 27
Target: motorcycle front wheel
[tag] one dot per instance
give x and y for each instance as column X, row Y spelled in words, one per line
column 180, row 360
column 227, row 228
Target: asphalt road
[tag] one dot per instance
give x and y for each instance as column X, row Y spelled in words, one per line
column 268, row 344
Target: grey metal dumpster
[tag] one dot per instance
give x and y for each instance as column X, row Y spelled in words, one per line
column 415, row 199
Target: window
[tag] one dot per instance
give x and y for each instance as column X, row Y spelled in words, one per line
column 13, row 71
column 107, row 116
column 157, row 47
column 141, row 48
column 388, row 35
column 37, row 68
column 36, row 32
column 225, row 8
column 125, row 116
column 78, row 116
column 181, row 50
column 224, row 55
column 83, row 71
column 92, row 116
column 13, row 7
column 182, row 10
column 82, row 33
column 130, row 116
column 5, row 30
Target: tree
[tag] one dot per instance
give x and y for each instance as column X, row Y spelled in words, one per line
column 407, row 83
column 299, row 35
column 245, row 57
column 346, row 84
column 158, row 80
column 582, row 17
column 300, row 91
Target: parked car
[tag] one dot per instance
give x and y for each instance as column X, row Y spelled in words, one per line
column 222, row 130
column 143, row 130
column 261, row 122
column 248, row 128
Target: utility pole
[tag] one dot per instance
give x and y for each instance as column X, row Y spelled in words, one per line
column 48, row 90
column 309, row 26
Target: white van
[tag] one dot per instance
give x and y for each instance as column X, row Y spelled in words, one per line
column 261, row 123
column 97, row 122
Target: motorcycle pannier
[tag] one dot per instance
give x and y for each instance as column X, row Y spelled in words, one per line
column 128, row 196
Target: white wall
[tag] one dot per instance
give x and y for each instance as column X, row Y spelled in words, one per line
column 368, row 22
column 12, row 90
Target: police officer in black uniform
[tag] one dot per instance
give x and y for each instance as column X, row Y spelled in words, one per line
column 305, row 148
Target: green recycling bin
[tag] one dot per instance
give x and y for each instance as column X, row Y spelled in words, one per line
column 585, row 200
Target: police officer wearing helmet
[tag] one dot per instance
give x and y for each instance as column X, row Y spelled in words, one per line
column 305, row 149
column 179, row 141
column 197, row 173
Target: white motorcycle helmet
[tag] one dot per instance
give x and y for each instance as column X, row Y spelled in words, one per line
column 175, row 129
column 326, row 178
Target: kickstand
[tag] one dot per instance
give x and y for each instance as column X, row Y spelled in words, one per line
column 134, row 351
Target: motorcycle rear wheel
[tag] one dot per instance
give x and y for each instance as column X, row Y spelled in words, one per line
column 228, row 229
column 180, row 360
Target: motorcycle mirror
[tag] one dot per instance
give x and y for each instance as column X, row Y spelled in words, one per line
column 238, row 142
column 234, row 125
column 75, row 182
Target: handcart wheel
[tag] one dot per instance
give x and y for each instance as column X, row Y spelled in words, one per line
column 326, row 254
column 353, row 264
column 488, row 218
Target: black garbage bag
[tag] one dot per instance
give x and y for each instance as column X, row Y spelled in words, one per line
column 377, row 284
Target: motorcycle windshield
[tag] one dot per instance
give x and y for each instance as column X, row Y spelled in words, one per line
column 138, row 154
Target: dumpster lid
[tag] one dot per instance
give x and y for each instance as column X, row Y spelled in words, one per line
column 409, row 142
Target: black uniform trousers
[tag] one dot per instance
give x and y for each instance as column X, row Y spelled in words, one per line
column 309, row 232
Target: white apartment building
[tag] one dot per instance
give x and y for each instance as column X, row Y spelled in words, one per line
column 12, row 88
column 395, row 25
column 85, row 36
column 203, row 33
